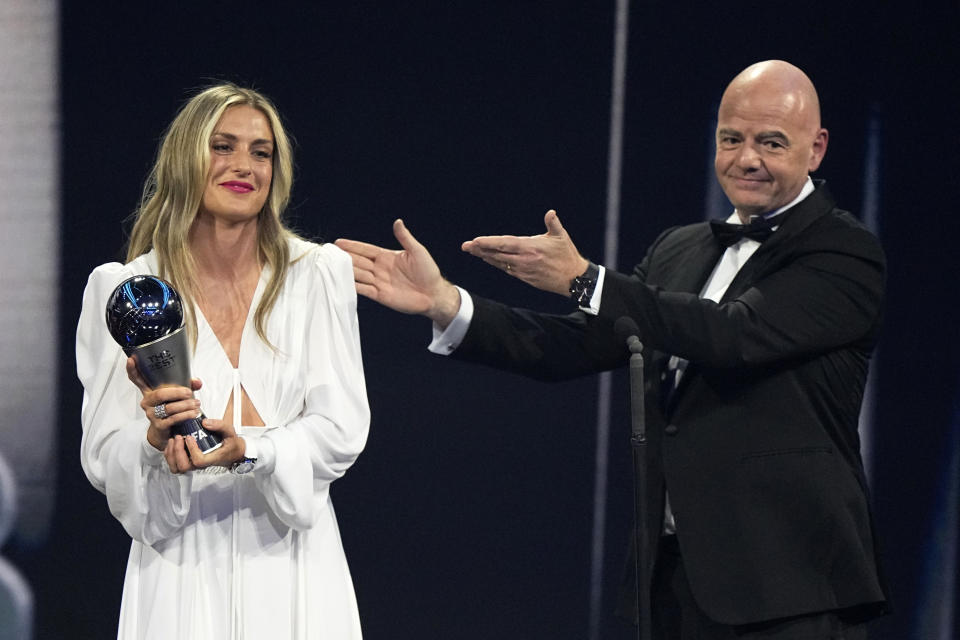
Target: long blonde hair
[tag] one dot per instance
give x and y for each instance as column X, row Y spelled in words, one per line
column 174, row 188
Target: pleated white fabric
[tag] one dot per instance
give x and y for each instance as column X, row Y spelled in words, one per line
column 216, row 555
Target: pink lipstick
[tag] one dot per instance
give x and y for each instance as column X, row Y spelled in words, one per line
column 237, row 186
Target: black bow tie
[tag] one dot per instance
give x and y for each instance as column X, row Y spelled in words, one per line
column 730, row 234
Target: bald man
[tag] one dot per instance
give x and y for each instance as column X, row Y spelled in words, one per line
column 760, row 328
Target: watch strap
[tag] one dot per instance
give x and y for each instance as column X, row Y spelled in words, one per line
column 583, row 286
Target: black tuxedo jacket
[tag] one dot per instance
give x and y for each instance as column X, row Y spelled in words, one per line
column 758, row 447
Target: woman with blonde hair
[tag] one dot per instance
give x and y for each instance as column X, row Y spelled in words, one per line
column 241, row 541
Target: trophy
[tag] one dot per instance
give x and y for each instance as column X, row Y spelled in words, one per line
column 145, row 317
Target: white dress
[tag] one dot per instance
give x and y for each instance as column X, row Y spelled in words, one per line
column 215, row 554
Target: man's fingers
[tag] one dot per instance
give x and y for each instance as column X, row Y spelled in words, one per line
column 357, row 248
column 363, row 276
column 404, row 237
column 492, row 254
column 505, row 245
column 361, row 261
column 497, row 256
column 475, row 249
column 552, row 222
column 362, row 265
column 368, row 291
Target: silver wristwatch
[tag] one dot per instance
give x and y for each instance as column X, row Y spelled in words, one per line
column 243, row 466
column 249, row 460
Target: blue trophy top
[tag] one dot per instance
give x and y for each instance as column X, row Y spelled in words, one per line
column 143, row 309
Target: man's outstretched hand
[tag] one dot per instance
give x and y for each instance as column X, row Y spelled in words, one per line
column 548, row 261
column 406, row 280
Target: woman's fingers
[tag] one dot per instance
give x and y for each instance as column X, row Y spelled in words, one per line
column 194, row 454
column 176, row 455
column 167, row 413
column 133, row 373
column 180, row 410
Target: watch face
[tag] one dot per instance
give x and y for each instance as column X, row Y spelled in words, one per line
column 582, row 290
column 244, row 466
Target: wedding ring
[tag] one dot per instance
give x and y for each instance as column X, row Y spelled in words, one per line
column 160, row 411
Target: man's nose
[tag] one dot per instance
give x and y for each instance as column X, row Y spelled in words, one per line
column 748, row 158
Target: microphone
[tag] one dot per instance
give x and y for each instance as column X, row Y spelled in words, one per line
column 628, row 331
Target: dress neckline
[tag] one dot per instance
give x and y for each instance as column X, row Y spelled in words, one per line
column 248, row 323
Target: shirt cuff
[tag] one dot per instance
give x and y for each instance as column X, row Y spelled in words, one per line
column 446, row 341
column 594, row 307
column 263, row 451
column 150, row 455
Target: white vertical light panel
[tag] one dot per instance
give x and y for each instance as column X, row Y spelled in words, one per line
column 610, row 250
column 715, row 203
column 31, row 302
column 871, row 217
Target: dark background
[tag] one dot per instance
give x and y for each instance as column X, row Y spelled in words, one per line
column 469, row 514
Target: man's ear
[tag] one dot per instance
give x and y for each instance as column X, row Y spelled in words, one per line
column 818, row 149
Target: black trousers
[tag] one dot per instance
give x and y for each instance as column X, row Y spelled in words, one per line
column 676, row 615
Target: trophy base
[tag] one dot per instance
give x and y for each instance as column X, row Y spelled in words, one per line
column 207, row 440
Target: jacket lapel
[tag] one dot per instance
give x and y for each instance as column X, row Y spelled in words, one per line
column 695, row 261
column 795, row 221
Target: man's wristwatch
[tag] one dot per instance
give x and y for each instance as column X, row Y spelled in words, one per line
column 581, row 287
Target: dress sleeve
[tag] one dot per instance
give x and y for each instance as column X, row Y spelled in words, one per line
column 318, row 445
column 150, row 502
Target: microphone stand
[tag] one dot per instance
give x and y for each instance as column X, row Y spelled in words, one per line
column 638, row 442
